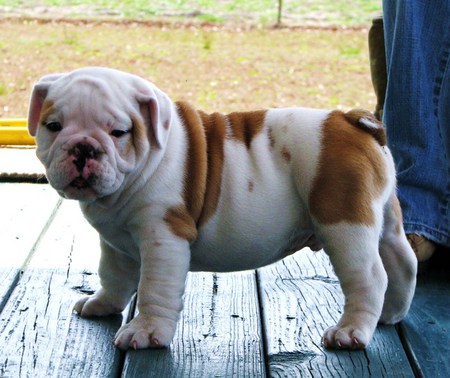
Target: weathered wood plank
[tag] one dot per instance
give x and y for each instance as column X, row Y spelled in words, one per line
column 25, row 211
column 39, row 334
column 426, row 329
column 219, row 334
column 300, row 298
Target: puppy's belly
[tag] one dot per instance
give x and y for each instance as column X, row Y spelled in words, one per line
column 242, row 241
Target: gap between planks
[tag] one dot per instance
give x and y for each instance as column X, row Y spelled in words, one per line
column 220, row 333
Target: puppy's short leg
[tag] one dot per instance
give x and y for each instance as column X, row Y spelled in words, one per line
column 353, row 250
column 164, row 266
column 400, row 264
column 119, row 276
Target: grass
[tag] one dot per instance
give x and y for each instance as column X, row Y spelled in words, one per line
column 340, row 12
column 216, row 67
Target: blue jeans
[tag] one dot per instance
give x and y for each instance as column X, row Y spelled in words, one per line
column 417, row 111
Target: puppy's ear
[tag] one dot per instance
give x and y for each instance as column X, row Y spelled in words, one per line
column 157, row 113
column 38, row 96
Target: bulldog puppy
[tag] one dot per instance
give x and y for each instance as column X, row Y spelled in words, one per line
column 170, row 188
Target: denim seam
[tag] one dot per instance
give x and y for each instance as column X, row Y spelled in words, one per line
column 435, row 235
column 442, row 72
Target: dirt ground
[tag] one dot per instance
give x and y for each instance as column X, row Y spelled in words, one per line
column 218, row 68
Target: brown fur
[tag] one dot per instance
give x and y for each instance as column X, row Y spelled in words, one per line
column 196, row 162
column 205, row 156
column 138, row 137
column 181, row 223
column 47, row 109
column 354, row 117
column 285, row 154
column 215, row 127
column 350, row 174
column 246, row 125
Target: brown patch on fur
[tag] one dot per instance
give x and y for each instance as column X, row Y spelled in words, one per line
column 205, row 155
column 216, row 128
column 357, row 117
column 205, row 158
column 181, row 223
column 246, row 125
column 251, row 186
column 351, row 174
column 196, row 162
column 285, row 154
column 139, row 135
column 46, row 110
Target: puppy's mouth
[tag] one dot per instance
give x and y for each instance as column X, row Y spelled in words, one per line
column 80, row 183
column 80, row 189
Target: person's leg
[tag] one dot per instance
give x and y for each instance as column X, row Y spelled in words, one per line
column 377, row 57
column 417, row 53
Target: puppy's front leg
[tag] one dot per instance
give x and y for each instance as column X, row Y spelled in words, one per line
column 164, row 266
column 119, row 276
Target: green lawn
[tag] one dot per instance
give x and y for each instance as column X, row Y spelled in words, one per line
column 218, row 66
column 263, row 12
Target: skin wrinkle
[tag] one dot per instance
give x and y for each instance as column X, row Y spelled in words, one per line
column 205, row 158
column 181, row 223
column 350, row 174
column 398, row 214
column 285, row 154
column 196, row 162
column 271, row 138
column 215, row 126
column 246, row 125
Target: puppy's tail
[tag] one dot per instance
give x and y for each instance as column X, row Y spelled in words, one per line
column 366, row 121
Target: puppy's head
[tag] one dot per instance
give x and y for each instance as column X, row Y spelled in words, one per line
column 96, row 126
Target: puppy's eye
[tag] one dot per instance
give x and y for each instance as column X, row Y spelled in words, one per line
column 54, row 127
column 119, row 133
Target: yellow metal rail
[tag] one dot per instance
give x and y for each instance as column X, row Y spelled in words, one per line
column 14, row 132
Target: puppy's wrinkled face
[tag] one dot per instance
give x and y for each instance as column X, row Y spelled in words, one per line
column 90, row 134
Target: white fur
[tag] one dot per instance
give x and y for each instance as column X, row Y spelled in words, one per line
column 262, row 214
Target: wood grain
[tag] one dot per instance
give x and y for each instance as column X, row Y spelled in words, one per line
column 39, row 334
column 426, row 329
column 219, row 334
column 300, row 298
column 26, row 211
column 249, row 324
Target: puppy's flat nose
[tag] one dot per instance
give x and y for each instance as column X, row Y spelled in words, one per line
column 83, row 152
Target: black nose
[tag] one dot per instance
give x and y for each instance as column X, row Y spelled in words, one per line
column 83, row 152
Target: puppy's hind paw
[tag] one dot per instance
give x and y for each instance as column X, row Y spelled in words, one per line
column 93, row 306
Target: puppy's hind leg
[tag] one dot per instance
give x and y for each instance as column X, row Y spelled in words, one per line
column 400, row 264
column 119, row 277
column 353, row 251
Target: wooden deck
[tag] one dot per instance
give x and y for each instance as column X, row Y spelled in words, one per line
column 250, row 324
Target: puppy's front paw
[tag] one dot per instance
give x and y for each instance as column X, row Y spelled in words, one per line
column 145, row 332
column 95, row 306
column 346, row 337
